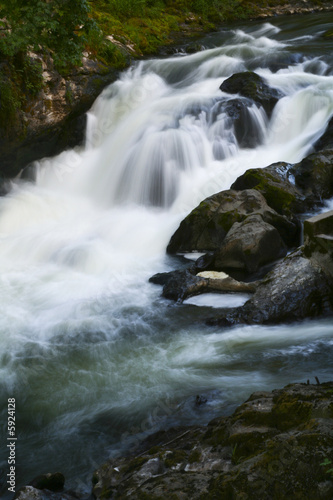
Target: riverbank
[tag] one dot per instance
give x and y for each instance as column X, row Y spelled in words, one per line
column 43, row 110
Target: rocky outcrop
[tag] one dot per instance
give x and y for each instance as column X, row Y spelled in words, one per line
column 318, row 241
column 54, row 120
column 276, row 445
column 254, row 87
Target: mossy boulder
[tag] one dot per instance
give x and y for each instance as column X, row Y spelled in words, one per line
column 206, row 227
column 274, row 184
column 254, row 87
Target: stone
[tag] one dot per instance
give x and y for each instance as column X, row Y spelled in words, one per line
column 314, row 175
column 218, row 281
column 55, row 119
column 246, row 128
column 274, row 184
column 248, row 245
column 254, row 87
column 31, row 493
column 179, row 285
column 318, row 241
column 295, row 289
column 206, row 227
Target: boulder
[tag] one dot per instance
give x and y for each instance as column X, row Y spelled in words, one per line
column 249, row 244
column 318, row 241
column 326, row 140
column 295, row 289
column 273, row 446
column 246, row 128
column 274, row 184
column 254, row 87
column 314, row 175
column 206, row 227
column 178, row 285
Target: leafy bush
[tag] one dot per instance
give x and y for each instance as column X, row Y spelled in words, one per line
column 59, row 26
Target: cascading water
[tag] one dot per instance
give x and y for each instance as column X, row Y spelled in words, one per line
column 92, row 354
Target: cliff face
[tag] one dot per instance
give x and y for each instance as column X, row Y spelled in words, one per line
column 54, row 119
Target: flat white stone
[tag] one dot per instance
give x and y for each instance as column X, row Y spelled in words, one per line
column 213, row 275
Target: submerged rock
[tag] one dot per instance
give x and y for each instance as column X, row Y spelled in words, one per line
column 254, row 87
column 241, row 119
column 272, row 447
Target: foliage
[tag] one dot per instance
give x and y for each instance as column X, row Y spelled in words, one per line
column 326, row 463
column 58, row 26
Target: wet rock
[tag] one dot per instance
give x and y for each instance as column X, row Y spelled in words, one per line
column 178, row 285
column 52, row 482
column 250, row 244
column 247, row 130
column 274, row 184
column 326, row 140
column 219, row 281
column 295, row 289
column 206, row 227
column 314, row 175
column 254, row 87
column 318, row 241
column 273, row 444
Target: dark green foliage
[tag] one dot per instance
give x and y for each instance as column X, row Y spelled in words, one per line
column 59, row 27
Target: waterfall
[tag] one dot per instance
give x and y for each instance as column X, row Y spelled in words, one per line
column 88, row 347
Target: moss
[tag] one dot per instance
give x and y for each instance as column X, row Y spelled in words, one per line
column 288, row 413
column 195, row 456
column 154, row 450
column 134, row 464
column 175, row 458
column 106, row 493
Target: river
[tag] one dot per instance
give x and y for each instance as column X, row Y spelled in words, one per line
column 93, row 355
